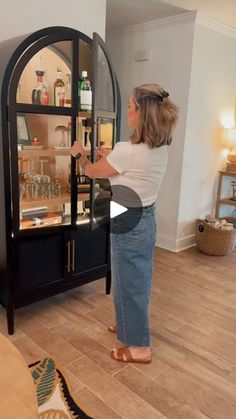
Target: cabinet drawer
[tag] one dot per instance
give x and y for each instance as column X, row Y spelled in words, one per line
column 40, row 261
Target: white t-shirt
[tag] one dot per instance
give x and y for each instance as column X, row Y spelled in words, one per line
column 140, row 168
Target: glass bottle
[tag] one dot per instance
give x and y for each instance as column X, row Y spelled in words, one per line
column 40, row 92
column 59, row 90
column 68, row 91
column 44, row 95
column 85, row 93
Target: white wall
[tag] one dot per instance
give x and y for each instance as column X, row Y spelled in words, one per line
column 171, row 44
column 22, row 17
column 193, row 57
column 212, row 92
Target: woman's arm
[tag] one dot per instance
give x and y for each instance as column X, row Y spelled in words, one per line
column 99, row 169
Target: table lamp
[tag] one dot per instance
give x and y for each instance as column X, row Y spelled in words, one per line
column 62, row 129
column 230, row 143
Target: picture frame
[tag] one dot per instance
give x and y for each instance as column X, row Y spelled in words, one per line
column 23, row 134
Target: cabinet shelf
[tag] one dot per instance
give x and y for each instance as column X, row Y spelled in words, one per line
column 42, row 109
column 52, row 202
column 227, row 173
column 228, row 201
column 50, row 110
column 44, row 152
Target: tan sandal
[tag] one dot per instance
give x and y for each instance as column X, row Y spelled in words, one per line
column 112, row 329
column 124, row 355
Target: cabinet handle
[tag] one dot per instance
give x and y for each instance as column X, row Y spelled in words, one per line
column 73, row 255
column 68, row 256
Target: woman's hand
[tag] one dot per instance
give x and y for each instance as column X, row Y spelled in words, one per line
column 77, row 149
column 102, row 152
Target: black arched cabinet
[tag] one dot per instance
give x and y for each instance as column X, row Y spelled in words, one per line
column 48, row 241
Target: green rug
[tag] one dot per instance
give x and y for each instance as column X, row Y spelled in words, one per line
column 53, row 394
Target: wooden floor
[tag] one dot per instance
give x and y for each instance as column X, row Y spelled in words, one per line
column 193, row 324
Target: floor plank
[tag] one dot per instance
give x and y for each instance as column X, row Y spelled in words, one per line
column 128, row 404
column 171, row 405
column 94, row 406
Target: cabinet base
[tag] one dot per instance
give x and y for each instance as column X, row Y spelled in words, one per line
column 10, row 308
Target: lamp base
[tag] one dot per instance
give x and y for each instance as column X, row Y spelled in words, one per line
column 230, row 167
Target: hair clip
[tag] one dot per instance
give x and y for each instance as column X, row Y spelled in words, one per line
column 164, row 94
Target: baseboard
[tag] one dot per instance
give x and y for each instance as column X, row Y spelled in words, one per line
column 176, row 245
column 186, row 242
column 166, row 243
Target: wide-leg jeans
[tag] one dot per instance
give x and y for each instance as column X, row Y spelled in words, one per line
column 131, row 265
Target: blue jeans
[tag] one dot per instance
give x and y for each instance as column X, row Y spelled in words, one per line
column 131, row 266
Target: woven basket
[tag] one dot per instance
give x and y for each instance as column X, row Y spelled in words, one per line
column 214, row 241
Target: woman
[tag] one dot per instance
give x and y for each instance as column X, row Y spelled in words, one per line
column 139, row 164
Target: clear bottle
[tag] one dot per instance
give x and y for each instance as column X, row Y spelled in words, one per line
column 68, row 91
column 85, row 93
column 40, row 92
column 59, row 90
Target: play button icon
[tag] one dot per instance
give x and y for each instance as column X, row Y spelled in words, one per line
column 116, row 209
column 119, row 206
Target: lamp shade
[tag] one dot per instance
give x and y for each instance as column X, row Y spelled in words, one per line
column 230, row 138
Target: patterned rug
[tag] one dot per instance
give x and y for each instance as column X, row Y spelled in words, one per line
column 54, row 398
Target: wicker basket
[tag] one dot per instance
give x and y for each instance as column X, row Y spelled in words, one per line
column 214, row 241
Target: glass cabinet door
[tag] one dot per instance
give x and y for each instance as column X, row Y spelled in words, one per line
column 41, row 131
column 105, row 96
column 85, row 87
column 105, row 130
column 104, row 90
column 104, row 123
column 46, row 78
column 83, row 130
column 83, row 183
column 44, row 170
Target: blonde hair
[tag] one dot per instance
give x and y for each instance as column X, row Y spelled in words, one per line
column 158, row 116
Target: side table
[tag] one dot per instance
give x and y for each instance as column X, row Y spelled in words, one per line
column 223, row 201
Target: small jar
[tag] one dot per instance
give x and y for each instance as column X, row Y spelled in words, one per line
column 35, row 141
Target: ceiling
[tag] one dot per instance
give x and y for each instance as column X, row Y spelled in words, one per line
column 130, row 12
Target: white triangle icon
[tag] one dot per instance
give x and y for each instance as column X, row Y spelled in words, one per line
column 116, row 209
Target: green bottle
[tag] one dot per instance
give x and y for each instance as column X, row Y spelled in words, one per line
column 85, row 93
